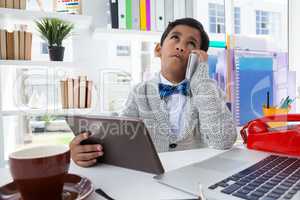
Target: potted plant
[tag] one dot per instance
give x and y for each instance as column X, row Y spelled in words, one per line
column 54, row 31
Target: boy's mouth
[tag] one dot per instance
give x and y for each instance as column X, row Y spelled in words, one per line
column 177, row 55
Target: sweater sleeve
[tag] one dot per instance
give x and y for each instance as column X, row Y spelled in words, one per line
column 130, row 107
column 216, row 121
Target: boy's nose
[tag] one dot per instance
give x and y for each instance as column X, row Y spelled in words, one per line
column 180, row 49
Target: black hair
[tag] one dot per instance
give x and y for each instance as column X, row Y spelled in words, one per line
column 204, row 40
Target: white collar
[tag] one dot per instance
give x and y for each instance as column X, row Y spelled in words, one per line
column 163, row 80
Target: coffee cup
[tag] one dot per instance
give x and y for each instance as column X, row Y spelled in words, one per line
column 38, row 172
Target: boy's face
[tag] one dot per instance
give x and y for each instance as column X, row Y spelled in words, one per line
column 174, row 52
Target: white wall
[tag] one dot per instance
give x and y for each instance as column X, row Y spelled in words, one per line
column 294, row 43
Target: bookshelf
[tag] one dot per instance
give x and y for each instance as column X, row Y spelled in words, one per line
column 33, row 63
column 28, row 16
column 105, row 34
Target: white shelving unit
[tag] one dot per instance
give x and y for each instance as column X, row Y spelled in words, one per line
column 104, row 34
column 29, row 16
column 8, row 17
column 33, row 63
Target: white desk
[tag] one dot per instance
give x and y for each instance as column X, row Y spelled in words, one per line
column 122, row 183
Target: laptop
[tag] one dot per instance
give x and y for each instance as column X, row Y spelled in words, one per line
column 239, row 174
column 126, row 141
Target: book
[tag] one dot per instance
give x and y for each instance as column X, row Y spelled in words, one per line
column 153, row 15
column 114, row 13
column 128, row 19
column 143, row 17
column 9, row 4
column 3, row 55
column 76, row 93
column 148, row 15
column 136, row 14
column 82, row 91
column 160, row 15
column 63, row 93
column 10, row 45
column 2, row 3
column 16, row 45
column 22, row 45
column 70, row 93
column 189, row 9
column 16, row 4
column 28, row 45
column 122, row 14
column 169, row 11
column 179, row 9
column 23, row 4
column 89, row 94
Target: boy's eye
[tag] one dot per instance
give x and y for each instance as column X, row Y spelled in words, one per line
column 174, row 37
column 191, row 45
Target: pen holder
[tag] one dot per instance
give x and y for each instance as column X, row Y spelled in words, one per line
column 275, row 111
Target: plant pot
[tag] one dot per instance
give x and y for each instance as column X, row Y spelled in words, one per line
column 56, row 53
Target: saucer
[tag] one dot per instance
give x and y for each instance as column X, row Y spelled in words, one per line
column 75, row 188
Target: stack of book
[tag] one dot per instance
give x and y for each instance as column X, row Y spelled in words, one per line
column 15, row 45
column 147, row 15
column 76, row 92
column 17, row 4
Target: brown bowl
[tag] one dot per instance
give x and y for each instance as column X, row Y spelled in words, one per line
column 39, row 171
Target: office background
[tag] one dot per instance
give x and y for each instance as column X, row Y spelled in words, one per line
column 260, row 36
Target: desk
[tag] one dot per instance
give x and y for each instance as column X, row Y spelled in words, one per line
column 121, row 183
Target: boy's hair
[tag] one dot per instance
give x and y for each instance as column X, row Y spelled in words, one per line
column 204, row 40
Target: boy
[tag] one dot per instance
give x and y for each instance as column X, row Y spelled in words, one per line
column 179, row 114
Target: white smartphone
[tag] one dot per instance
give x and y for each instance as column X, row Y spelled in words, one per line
column 191, row 66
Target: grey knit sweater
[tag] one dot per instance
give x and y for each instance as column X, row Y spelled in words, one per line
column 208, row 122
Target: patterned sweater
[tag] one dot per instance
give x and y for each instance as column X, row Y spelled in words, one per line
column 208, row 122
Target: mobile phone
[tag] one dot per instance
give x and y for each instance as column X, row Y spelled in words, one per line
column 191, row 66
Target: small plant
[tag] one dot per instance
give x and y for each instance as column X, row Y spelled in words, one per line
column 54, row 30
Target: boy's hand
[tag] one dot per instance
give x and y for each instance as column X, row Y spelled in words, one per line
column 202, row 55
column 84, row 155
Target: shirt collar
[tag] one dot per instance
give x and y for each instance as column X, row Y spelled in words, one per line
column 163, row 80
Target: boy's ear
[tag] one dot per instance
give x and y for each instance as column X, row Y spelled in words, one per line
column 157, row 50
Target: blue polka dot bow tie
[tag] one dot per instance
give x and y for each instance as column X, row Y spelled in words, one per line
column 168, row 90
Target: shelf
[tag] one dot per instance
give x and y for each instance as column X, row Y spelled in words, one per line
column 58, row 111
column 32, row 63
column 80, row 21
column 110, row 34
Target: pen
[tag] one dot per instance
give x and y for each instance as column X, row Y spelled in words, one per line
column 268, row 100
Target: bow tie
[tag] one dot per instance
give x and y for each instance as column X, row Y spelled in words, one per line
column 168, row 90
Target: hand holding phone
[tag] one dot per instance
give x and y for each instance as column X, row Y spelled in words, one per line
column 191, row 66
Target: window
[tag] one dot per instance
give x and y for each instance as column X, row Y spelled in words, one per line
column 237, row 20
column 262, row 22
column 216, row 18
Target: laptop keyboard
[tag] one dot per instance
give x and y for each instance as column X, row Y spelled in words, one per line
column 275, row 177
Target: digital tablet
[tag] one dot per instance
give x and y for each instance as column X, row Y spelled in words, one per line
column 126, row 141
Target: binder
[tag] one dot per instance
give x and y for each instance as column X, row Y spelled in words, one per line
column 160, row 15
column 143, row 15
column 70, row 93
column 22, row 45
column 10, row 45
column 89, row 94
column 82, row 91
column 122, row 14
column 169, row 11
column 153, row 15
column 179, row 9
column 3, row 55
column 76, row 93
column 17, row 4
column 16, row 45
column 114, row 13
column 148, row 15
column 62, row 93
column 135, row 14
column 9, row 3
column 189, row 8
column 2, row 3
column 28, row 45
column 128, row 14
column 23, row 4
